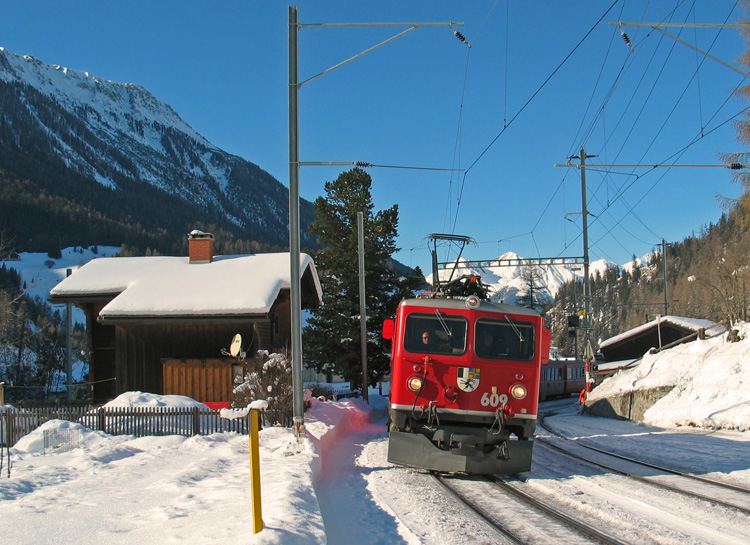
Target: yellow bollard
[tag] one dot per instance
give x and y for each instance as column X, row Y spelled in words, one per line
column 255, row 471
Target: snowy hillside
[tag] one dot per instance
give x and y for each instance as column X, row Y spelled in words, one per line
column 41, row 273
column 123, row 138
column 114, row 106
column 123, row 116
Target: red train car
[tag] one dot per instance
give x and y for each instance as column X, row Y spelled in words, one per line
column 465, row 379
column 562, row 378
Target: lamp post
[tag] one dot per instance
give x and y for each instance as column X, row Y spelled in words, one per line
column 294, row 165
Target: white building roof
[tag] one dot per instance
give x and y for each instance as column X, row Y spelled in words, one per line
column 690, row 324
column 172, row 286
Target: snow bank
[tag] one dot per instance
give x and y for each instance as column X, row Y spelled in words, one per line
column 710, row 381
column 34, row 443
column 144, row 399
column 326, row 422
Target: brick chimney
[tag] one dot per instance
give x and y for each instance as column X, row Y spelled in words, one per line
column 200, row 246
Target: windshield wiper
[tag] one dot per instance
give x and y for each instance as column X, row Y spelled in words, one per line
column 442, row 323
column 515, row 328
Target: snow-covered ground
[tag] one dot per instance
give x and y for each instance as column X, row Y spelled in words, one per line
column 335, row 485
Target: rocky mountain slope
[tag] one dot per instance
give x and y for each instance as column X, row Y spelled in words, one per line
column 72, row 143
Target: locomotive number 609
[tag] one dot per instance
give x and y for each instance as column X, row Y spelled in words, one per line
column 493, row 399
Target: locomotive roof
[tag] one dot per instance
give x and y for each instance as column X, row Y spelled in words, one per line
column 460, row 304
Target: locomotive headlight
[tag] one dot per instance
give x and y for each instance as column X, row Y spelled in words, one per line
column 415, row 384
column 518, row 391
column 473, row 302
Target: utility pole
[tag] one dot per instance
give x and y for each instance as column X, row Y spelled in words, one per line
column 664, row 262
column 588, row 348
column 295, row 297
column 362, row 305
column 69, row 345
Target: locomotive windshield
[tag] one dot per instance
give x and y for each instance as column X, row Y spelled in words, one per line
column 436, row 333
column 504, row 339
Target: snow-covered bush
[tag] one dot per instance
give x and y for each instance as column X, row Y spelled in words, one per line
column 269, row 378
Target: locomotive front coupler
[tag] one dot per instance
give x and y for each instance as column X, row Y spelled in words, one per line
column 432, row 417
column 499, row 420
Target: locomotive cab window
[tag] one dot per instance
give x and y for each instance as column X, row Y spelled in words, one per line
column 504, row 339
column 435, row 333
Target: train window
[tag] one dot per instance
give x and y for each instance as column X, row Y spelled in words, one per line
column 435, row 334
column 504, row 339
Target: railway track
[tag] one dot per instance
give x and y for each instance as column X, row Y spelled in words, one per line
column 521, row 518
column 695, row 486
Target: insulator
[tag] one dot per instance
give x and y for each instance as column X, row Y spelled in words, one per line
column 460, row 37
column 736, row 166
column 626, row 38
column 362, row 164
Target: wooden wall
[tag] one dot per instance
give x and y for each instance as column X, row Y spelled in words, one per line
column 205, row 380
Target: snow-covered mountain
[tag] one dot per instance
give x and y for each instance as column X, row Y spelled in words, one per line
column 507, row 282
column 123, row 138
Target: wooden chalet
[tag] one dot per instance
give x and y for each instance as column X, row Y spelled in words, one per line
column 164, row 324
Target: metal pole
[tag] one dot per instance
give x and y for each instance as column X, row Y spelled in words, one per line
column 69, row 345
column 575, row 306
column 294, row 231
column 588, row 351
column 362, row 306
column 664, row 260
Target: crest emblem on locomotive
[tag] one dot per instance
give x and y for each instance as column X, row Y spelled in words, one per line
column 468, row 378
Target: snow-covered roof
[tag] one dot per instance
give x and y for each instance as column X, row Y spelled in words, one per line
column 689, row 324
column 233, row 285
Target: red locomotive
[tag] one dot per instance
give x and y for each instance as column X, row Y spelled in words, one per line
column 465, row 377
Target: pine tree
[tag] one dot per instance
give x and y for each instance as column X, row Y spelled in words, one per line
column 534, row 283
column 332, row 336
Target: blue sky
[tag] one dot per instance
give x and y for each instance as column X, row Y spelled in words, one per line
column 427, row 100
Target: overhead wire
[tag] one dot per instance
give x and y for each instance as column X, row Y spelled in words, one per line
column 632, row 129
column 600, row 110
column 697, row 70
column 618, row 195
column 599, row 117
column 507, row 48
column 655, row 137
column 539, row 89
column 524, row 106
column 676, row 155
column 620, row 190
column 588, row 106
column 459, row 128
column 457, row 144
